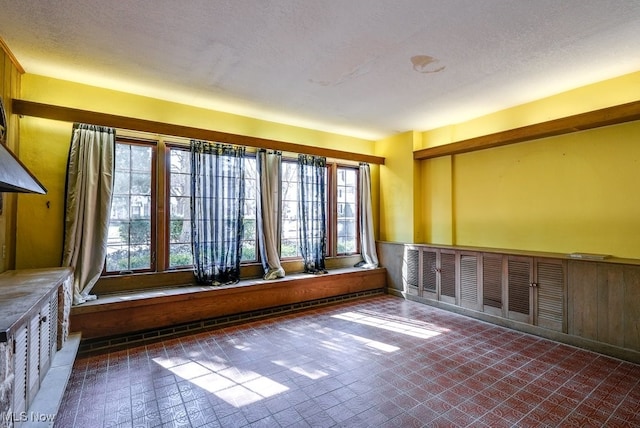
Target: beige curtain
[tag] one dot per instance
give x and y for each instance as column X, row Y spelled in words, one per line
column 87, row 205
column 367, row 240
column 269, row 165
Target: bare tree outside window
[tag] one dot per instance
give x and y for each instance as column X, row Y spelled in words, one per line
column 129, row 246
column 180, row 253
column 289, row 241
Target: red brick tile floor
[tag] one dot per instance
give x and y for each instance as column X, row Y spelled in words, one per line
column 376, row 362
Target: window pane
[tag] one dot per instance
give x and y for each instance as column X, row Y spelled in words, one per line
column 180, row 254
column 346, row 193
column 140, row 183
column 289, row 234
column 123, row 157
column 121, row 182
column 140, row 158
column 129, row 238
column 119, row 207
column 249, row 242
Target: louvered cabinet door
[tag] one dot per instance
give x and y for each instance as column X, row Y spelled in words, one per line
column 550, row 294
column 470, row 296
column 519, row 288
column 54, row 312
column 492, row 297
column 430, row 273
column 411, row 270
column 45, row 339
column 21, row 344
column 33, row 367
column 447, row 271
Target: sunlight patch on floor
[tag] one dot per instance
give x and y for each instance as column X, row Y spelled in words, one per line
column 380, row 346
column 308, row 372
column 396, row 326
column 238, row 387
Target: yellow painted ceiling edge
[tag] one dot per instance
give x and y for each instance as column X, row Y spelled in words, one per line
column 76, row 95
column 599, row 95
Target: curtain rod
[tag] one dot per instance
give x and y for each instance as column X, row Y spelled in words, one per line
column 67, row 114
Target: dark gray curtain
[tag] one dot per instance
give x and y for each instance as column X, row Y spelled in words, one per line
column 217, row 197
column 312, row 217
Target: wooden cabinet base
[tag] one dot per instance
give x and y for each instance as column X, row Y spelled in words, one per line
column 128, row 313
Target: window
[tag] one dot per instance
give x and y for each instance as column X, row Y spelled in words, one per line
column 134, row 241
column 249, row 238
column 179, row 208
column 346, row 212
column 130, row 245
column 342, row 227
column 289, row 228
column 146, row 184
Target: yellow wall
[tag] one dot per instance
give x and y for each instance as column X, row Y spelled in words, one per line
column 70, row 94
column 44, row 150
column 608, row 93
column 436, row 216
column 397, row 188
column 45, row 145
column 563, row 194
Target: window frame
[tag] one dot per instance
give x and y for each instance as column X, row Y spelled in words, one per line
column 332, row 209
column 166, row 266
column 333, row 242
column 298, row 256
column 153, row 239
column 161, row 147
column 256, row 246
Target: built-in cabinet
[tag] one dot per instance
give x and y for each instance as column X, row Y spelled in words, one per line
column 34, row 316
column 581, row 299
column 521, row 288
column 35, row 344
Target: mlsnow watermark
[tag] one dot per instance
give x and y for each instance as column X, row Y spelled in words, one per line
column 27, row 417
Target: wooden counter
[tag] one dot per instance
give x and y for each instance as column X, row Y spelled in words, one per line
column 22, row 293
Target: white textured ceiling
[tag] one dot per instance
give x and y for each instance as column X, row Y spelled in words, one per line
column 368, row 68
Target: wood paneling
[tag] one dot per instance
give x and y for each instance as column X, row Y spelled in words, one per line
column 631, row 308
column 120, row 316
column 604, row 303
column 10, row 76
column 610, row 300
column 10, row 56
column 583, row 298
column 594, row 119
column 66, row 114
column 391, row 256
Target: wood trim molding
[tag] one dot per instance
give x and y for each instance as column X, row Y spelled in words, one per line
column 594, row 119
column 11, row 56
column 67, row 114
